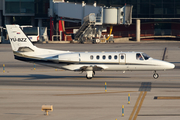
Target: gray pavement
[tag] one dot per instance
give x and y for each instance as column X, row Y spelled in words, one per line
column 24, row 90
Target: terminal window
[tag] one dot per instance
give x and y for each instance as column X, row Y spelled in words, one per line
column 19, row 6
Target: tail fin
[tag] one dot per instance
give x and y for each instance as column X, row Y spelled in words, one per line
column 18, row 39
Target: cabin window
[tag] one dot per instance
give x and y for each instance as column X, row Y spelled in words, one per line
column 139, row 56
column 97, row 57
column 104, row 57
column 115, row 57
column 91, row 57
column 122, row 57
column 109, row 57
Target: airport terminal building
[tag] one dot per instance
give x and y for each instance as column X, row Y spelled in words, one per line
column 157, row 17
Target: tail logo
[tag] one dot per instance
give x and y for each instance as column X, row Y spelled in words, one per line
column 18, row 39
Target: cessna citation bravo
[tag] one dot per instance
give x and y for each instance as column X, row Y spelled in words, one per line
column 89, row 62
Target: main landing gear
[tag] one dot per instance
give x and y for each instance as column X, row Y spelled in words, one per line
column 90, row 74
column 155, row 75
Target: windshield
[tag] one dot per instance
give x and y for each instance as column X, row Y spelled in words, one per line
column 30, row 31
column 146, row 57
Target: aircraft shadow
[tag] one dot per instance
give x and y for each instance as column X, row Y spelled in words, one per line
column 42, row 76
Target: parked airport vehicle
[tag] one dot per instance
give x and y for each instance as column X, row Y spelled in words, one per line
column 82, row 61
column 31, row 32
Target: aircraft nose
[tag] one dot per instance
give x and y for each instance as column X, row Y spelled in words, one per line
column 170, row 66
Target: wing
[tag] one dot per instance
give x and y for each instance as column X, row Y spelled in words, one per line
column 84, row 67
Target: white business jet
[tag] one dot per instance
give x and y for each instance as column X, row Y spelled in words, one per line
column 82, row 61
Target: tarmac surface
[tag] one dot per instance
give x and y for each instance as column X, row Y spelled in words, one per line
column 24, row 90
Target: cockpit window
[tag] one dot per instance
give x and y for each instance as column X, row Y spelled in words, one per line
column 146, row 57
column 139, row 56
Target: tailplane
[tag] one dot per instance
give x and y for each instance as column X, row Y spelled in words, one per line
column 19, row 41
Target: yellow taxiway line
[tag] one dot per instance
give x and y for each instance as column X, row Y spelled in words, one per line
column 168, row 97
column 138, row 105
column 94, row 93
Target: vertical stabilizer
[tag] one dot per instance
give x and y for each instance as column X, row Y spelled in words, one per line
column 17, row 38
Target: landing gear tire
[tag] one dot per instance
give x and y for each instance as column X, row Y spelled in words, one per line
column 155, row 75
column 88, row 77
column 93, row 73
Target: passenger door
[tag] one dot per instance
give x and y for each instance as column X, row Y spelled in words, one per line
column 122, row 58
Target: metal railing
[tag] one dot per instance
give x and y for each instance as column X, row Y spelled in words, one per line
column 58, row 38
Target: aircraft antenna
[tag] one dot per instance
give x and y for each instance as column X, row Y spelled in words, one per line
column 164, row 54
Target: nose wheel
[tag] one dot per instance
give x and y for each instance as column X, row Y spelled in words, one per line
column 155, row 75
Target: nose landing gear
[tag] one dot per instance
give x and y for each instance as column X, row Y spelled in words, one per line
column 90, row 74
column 155, row 75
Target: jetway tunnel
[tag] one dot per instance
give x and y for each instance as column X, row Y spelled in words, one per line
column 94, row 19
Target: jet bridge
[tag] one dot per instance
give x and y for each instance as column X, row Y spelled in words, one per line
column 94, row 19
